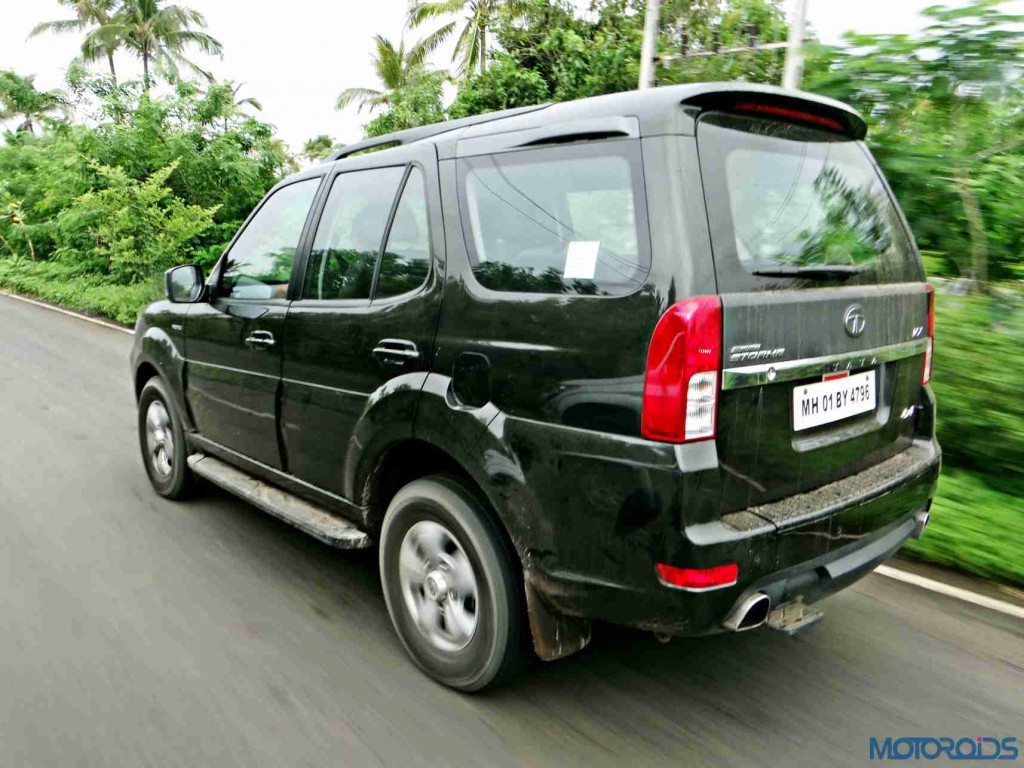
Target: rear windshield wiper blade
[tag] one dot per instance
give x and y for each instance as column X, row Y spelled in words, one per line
column 813, row 272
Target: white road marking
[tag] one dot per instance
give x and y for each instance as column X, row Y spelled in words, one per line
column 883, row 570
column 67, row 312
column 945, row 589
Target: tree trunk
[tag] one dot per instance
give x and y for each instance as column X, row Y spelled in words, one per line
column 971, row 204
column 975, row 227
column 483, row 48
column 110, row 61
column 145, row 70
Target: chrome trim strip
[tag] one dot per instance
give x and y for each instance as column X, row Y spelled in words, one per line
column 793, row 370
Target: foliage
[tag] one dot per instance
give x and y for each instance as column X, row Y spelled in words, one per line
column 396, row 68
column 471, row 46
column 211, row 156
column 157, row 34
column 977, row 380
column 548, row 51
column 88, row 14
column 975, row 528
column 504, row 85
column 20, row 99
column 136, row 228
column 945, row 108
column 65, row 284
column 317, row 148
column 417, row 103
column 576, row 56
column 704, row 25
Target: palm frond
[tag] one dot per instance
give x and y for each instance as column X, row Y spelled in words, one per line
column 366, row 97
column 467, row 50
column 60, row 27
column 389, row 63
column 98, row 42
column 423, row 10
column 204, row 42
column 420, row 50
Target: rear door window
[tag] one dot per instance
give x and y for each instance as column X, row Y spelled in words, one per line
column 557, row 220
column 349, row 234
column 406, row 259
column 784, row 196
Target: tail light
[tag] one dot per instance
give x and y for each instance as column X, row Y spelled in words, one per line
column 926, row 374
column 683, row 365
column 698, row 579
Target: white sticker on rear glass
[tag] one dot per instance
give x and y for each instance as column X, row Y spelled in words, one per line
column 581, row 260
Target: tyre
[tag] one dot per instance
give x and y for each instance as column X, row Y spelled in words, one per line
column 451, row 586
column 162, row 440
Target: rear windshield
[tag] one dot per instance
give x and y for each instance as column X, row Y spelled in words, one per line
column 782, row 196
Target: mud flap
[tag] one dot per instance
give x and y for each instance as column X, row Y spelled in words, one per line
column 554, row 635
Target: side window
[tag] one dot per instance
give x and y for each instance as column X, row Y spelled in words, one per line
column 259, row 264
column 349, row 234
column 406, row 260
column 557, row 220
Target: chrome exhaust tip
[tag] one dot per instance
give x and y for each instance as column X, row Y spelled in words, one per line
column 921, row 522
column 749, row 614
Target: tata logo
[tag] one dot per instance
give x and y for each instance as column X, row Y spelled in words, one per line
column 854, row 320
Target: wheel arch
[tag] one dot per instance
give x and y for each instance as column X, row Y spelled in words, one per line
column 157, row 353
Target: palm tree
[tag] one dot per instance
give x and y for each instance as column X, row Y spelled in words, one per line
column 20, row 99
column 471, row 48
column 157, row 35
column 317, row 148
column 88, row 13
column 396, row 68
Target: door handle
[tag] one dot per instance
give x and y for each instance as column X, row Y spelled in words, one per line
column 396, row 351
column 260, row 340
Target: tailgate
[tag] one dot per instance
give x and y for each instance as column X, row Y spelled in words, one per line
column 775, row 345
column 824, row 305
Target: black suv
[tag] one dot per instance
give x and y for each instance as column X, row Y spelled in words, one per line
column 655, row 358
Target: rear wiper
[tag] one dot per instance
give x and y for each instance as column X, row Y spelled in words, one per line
column 813, row 272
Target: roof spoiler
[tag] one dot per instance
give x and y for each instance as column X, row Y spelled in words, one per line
column 821, row 113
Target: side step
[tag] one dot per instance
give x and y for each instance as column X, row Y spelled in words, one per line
column 307, row 517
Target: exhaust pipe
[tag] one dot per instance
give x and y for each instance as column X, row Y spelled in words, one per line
column 751, row 613
column 921, row 522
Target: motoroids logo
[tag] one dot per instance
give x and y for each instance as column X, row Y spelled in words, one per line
column 947, row 747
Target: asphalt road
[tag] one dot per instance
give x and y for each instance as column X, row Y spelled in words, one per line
column 137, row 631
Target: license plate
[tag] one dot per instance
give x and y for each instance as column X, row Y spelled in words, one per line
column 833, row 400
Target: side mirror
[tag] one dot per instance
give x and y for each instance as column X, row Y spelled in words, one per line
column 184, row 285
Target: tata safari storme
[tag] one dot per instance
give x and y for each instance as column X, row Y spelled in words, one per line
column 655, row 358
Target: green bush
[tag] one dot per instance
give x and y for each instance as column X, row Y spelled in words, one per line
column 134, row 229
column 974, row 528
column 977, row 381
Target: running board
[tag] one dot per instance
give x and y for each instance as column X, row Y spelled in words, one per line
column 307, row 517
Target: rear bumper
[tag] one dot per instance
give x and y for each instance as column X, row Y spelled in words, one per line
column 806, row 546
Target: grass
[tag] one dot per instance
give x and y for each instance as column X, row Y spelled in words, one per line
column 974, row 528
column 60, row 284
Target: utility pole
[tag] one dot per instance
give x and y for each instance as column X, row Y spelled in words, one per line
column 650, row 46
column 794, row 69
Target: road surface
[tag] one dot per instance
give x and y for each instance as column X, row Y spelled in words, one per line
column 137, row 631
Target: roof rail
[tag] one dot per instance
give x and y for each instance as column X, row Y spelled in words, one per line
column 426, row 131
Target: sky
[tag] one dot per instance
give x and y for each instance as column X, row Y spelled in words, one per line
column 297, row 59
